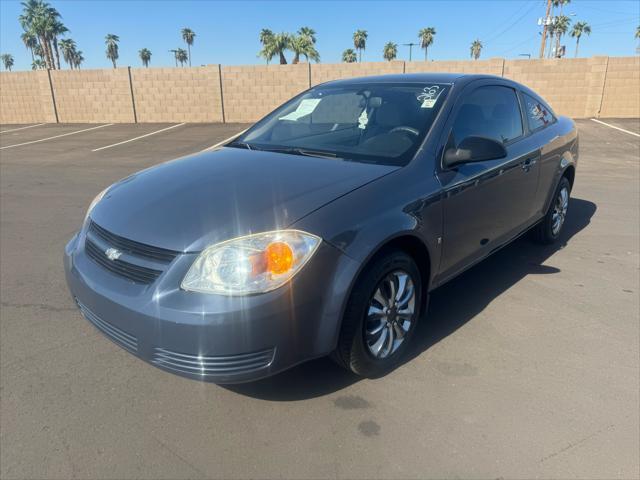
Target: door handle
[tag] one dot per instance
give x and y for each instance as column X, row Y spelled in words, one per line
column 528, row 163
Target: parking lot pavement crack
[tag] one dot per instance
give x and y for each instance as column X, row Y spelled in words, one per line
column 576, row 443
column 181, row 458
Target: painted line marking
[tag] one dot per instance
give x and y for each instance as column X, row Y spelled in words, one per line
column 138, row 138
column 213, row 147
column 21, row 128
column 617, row 128
column 56, row 136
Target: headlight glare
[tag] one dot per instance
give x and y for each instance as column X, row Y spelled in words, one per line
column 94, row 202
column 253, row 264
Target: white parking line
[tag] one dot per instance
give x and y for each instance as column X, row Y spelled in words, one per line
column 21, row 128
column 617, row 128
column 56, row 136
column 138, row 138
column 213, row 147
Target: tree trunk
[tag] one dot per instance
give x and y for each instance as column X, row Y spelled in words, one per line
column 283, row 60
column 426, row 49
column 359, row 55
column 296, row 59
column 55, row 47
column 113, row 60
column 577, row 44
column 189, row 48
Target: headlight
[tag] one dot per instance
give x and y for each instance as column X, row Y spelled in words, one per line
column 252, row 264
column 94, row 202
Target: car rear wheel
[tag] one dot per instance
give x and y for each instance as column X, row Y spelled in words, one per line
column 381, row 316
column 549, row 229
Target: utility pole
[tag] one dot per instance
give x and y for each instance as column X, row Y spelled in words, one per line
column 545, row 23
column 410, row 45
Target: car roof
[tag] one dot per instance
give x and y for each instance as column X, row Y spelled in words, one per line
column 411, row 78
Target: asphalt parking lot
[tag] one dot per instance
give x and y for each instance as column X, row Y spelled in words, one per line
column 527, row 366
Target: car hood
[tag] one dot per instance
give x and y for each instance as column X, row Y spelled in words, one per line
column 190, row 203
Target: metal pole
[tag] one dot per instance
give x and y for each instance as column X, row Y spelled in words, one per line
column 544, row 29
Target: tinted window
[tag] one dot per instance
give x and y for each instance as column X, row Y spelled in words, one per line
column 538, row 113
column 377, row 123
column 491, row 112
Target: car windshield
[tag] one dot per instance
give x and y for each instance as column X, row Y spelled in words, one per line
column 376, row 123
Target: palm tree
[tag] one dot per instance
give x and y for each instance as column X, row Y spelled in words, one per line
column 360, row 42
column 77, row 59
column 68, row 47
column 280, row 43
column 7, row 60
column 302, row 45
column 349, row 56
column 30, row 41
column 266, row 39
column 476, row 49
column 40, row 19
column 182, row 56
column 188, row 36
column 426, row 36
column 390, row 51
column 57, row 29
column 308, row 32
column 111, row 41
column 579, row 29
column 560, row 27
column 560, row 3
column 145, row 56
column 38, row 64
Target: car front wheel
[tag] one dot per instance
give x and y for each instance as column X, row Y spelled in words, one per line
column 549, row 228
column 381, row 316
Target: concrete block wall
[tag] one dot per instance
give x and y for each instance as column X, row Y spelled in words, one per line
column 93, row 96
column 324, row 72
column 572, row 86
column 25, row 97
column 492, row 66
column 250, row 92
column 177, row 94
column 621, row 96
column 580, row 88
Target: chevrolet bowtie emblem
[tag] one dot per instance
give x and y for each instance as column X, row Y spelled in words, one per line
column 112, row 253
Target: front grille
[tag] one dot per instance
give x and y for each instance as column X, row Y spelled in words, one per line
column 212, row 365
column 140, row 263
column 132, row 247
column 120, row 337
column 135, row 273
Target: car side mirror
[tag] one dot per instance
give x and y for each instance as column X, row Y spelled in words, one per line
column 474, row 149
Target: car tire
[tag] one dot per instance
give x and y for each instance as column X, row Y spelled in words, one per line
column 363, row 327
column 550, row 227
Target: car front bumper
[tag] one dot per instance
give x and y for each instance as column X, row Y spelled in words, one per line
column 223, row 339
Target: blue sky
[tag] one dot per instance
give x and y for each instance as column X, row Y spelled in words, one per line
column 227, row 32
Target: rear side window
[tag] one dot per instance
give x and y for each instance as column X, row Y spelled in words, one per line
column 491, row 112
column 539, row 114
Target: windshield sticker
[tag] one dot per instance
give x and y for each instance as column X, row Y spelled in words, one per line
column 306, row 106
column 363, row 119
column 429, row 96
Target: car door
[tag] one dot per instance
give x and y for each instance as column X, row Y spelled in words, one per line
column 486, row 203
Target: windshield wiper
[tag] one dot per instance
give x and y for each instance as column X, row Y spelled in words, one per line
column 239, row 144
column 302, row 151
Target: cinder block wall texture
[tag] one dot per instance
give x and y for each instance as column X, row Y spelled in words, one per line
column 93, row 96
column 25, row 97
column 250, row 92
column 177, row 94
column 582, row 87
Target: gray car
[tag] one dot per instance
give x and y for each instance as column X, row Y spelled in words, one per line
column 322, row 229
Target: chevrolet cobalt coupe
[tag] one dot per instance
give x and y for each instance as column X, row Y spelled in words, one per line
column 322, row 229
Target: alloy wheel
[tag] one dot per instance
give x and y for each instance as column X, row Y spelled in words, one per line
column 560, row 210
column 390, row 314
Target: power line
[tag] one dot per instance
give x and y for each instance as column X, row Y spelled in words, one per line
column 534, row 5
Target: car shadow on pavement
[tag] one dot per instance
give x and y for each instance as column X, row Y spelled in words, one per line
column 450, row 307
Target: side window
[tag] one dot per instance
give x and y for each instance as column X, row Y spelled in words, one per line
column 491, row 112
column 538, row 114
